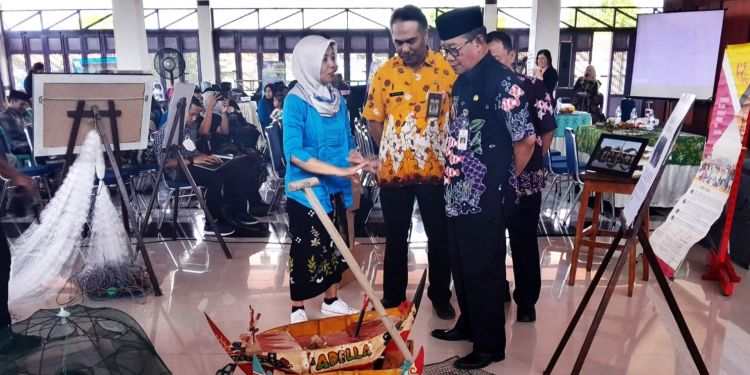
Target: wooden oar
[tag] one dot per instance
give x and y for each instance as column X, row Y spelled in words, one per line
column 306, row 186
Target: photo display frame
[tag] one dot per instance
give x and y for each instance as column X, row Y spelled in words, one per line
column 617, row 155
column 57, row 94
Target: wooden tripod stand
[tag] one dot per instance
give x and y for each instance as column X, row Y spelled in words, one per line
column 633, row 233
column 114, row 161
column 173, row 152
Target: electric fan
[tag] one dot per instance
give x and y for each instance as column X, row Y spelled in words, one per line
column 170, row 64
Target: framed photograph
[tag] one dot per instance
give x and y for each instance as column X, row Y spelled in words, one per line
column 617, row 155
column 57, row 94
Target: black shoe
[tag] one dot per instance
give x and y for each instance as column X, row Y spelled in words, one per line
column 444, row 310
column 389, row 304
column 507, row 292
column 476, row 360
column 452, row 334
column 260, row 209
column 244, row 218
column 224, row 229
column 526, row 314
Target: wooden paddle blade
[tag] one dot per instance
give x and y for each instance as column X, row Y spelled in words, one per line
column 420, row 291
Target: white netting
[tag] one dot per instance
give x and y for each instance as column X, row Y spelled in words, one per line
column 47, row 253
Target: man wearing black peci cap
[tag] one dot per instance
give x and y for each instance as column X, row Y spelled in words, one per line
column 490, row 138
column 13, row 120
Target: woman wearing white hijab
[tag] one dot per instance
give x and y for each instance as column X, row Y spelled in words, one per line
column 317, row 143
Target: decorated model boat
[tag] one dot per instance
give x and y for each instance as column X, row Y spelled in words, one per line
column 349, row 344
column 368, row 343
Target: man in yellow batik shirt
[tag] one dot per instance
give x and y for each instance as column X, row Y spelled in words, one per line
column 407, row 113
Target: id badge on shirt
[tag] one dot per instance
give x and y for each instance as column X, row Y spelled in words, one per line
column 434, row 99
column 463, row 139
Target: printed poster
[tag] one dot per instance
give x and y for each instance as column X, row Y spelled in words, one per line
column 703, row 203
column 659, row 156
column 273, row 71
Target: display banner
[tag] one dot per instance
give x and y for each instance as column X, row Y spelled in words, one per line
column 703, row 203
column 658, row 158
column 273, row 71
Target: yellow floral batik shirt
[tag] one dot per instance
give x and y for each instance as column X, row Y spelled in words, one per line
column 414, row 107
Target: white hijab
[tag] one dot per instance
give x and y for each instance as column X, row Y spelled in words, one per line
column 306, row 61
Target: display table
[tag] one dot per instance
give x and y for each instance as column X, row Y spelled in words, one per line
column 681, row 168
column 574, row 121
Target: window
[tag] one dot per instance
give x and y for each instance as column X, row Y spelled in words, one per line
column 358, row 68
column 249, row 70
column 619, row 66
column 270, row 56
column 341, row 63
column 378, row 59
column 35, row 58
column 227, row 67
column 18, row 61
column 56, row 63
column 191, row 67
column 74, row 61
column 582, row 61
column 92, row 63
column 288, row 67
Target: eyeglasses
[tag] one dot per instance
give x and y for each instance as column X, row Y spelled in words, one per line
column 453, row 51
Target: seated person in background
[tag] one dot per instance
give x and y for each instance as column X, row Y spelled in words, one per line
column 13, row 119
column 155, row 116
column 278, row 106
column 588, row 98
column 265, row 105
column 215, row 137
column 225, row 186
column 241, row 132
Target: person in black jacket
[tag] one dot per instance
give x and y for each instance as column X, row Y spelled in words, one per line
column 28, row 83
column 545, row 71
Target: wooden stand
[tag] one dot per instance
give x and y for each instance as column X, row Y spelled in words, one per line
column 114, row 161
column 173, row 151
column 601, row 184
column 720, row 267
column 631, row 235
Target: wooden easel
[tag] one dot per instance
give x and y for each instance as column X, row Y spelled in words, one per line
column 631, row 234
column 173, row 152
column 114, row 161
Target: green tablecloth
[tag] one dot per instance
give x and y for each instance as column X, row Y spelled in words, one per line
column 688, row 149
column 573, row 120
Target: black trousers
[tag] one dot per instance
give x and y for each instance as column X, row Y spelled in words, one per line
column 479, row 279
column 4, row 279
column 398, row 206
column 226, row 186
column 524, row 247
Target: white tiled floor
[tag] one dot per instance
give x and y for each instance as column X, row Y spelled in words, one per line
column 637, row 335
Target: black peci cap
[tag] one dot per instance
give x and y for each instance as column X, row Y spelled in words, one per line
column 15, row 94
column 459, row 21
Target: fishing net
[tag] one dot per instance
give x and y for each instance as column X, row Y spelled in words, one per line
column 76, row 341
column 54, row 251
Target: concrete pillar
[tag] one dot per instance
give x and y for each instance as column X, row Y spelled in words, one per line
column 206, row 42
column 4, row 75
column 490, row 15
column 544, row 31
column 131, row 46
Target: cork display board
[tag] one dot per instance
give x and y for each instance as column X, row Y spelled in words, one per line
column 55, row 95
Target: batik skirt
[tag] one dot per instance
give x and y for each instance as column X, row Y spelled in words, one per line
column 314, row 262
